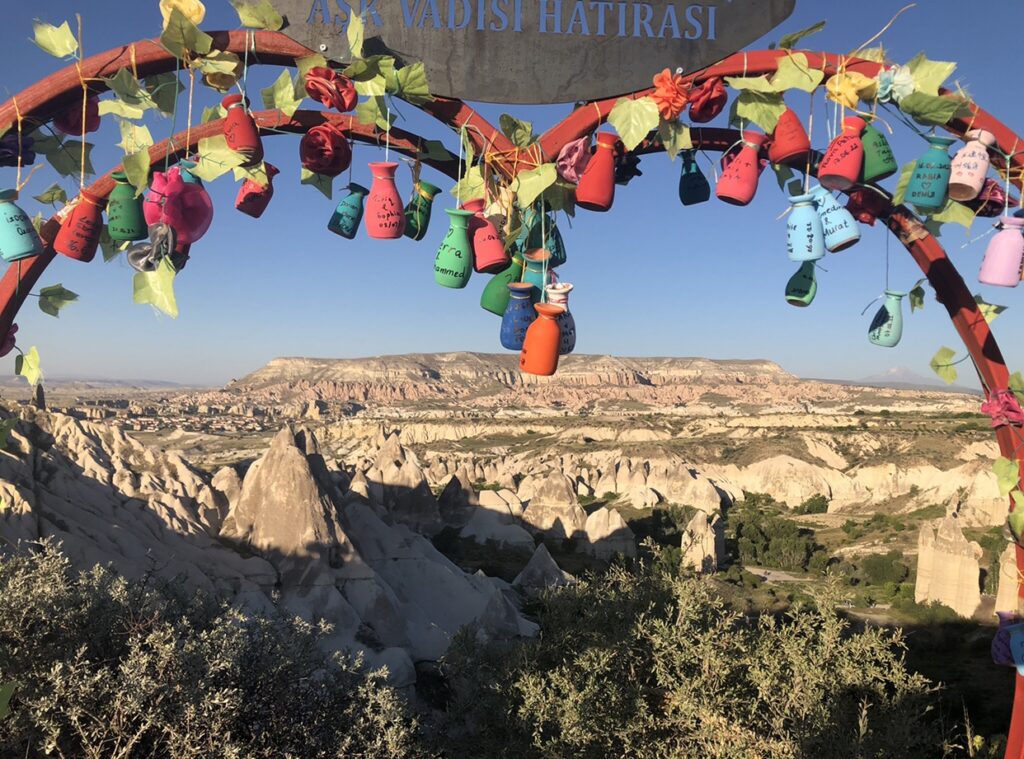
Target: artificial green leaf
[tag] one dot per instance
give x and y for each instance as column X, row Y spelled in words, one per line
column 433, row 150
column 120, row 108
column 519, row 132
column 136, row 168
column 220, row 62
column 750, row 83
column 929, row 75
column 942, row 365
column 212, row 113
column 215, row 158
column 133, row 136
column 181, row 37
column 37, row 222
column 68, row 160
column 371, row 76
column 901, row 185
column 257, row 173
column 281, row 95
column 468, row 154
column 157, row 288
column 989, row 311
column 561, row 196
column 528, row 185
column 6, row 693
column 634, row 119
column 6, row 427
column 53, row 195
column 876, row 54
column 1007, row 473
column 471, row 186
column 761, row 108
column 110, row 248
column 1016, row 384
column 163, row 90
column 789, row 41
column 794, row 72
column 128, row 89
column 794, row 188
column 932, row 109
column 319, row 181
column 374, row 111
column 27, row 365
column 675, row 136
column 258, row 14
column 412, row 84
column 52, row 299
column 46, row 144
column 783, row 175
column 916, row 296
column 1016, row 517
column 354, row 34
column 303, row 65
column 954, row 212
column 58, row 41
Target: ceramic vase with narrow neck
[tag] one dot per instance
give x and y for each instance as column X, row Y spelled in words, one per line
column 240, row 130
column 346, row 217
column 841, row 167
column 805, row 237
column 802, row 286
column 596, row 188
column 878, row 159
column 558, row 295
column 887, row 327
column 253, row 198
column 385, row 215
column 1004, row 254
column 694, row 187
column 489, row 255
column 518, row 316
column 79, row 234
column 969, row 167
column 453, row 263
column 540, row 231
column 126, row 221
column 738, row 182
column 790, row 143
column 18, row 237
column 540, row 346
column 929, row 184
column 417, row 210
column 496, row 294
column 537, row 273
column 840, row 228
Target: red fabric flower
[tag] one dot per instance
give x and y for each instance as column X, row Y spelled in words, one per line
column 324, row 150
column 8, row 344
column 670, row 94
column 708, row 100
column 866, row 205
column 991, row 201
column 70, row 121
column 331, row 88
column 1002, row 406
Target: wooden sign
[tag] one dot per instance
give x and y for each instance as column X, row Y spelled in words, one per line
column 537, row 51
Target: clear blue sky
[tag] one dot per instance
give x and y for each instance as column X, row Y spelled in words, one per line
column 651, row 277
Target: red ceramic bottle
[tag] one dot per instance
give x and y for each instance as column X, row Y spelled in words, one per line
column 253, row 198
column 543, row 339
column 385, row 213
column 596, row 189
column 488, row 248
column 790, row 143
column 738, row 182
column 240, row 131
column 79, row 234
column 841, row 167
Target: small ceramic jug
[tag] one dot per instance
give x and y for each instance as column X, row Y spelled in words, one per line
column 558, row 294
column 346, row 217
column 802, row 286
column 929, row 184
column 790, row 143
column 840, row 169
column 453, row 263
column 496, row 294
column 596, row 188
column 1004, row 254
column 887, row 327
column 840, row 228
column 805, row 238
column 385, row 215
column 518, row 316
column 969, row 167
column 18, row 236
column 738, row 182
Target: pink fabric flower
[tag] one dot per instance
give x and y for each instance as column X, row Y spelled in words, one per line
column 573, row 159
column 8, row 344
column 1002, row 406
column 184, row 206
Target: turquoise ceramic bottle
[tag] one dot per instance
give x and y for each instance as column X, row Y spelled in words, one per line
column 929, row 184
column 18, row 238
column 349, row 213
column 805, row 237
column 538, row 271
column 887, row 327
column 453, row 263
column 693, row 185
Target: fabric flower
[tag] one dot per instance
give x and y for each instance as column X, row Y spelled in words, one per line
column 70, row 120
column 9, row 150
column 991, row 201
column 331, row 88
column 193, row 10
column 848, row 87
column 866, row 205
column 708, row 100
column 883, row 84
column 324, row 150
column 670, row 94
column 8, row 344
column 902, row 83
column 573, row 159
column 1002, row 406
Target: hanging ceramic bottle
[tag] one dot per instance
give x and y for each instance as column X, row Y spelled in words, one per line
column 125, row 219
column 417, row 210
column 253, row 197
column 489, row 254
column 878, row 159
column 1004, row 254
column 453, row 263
column 738, row 182
column 540, row 231
column 540, row 346
column 693, row 185
column 789, row 143
column 969, row 167
column 805, row 238
column 18, row 237
column 240, row 130
column 802, row 286
column 840, row 228
column 79, row 234
column 929, row 183
column 887, row 327
column 558, row 295
column 841, row 166
column 346, row 217
column 538, row 271
column 518, row 316
column 385, row 216
column 496, row 294
column 596, row 188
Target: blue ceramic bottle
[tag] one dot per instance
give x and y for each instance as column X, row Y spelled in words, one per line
column 840, row 228
column 519, row 315
column 18, row 238
column 349, row 213
column 929, row 184
column 693, row 185
column 887, row 327
column 805, row 237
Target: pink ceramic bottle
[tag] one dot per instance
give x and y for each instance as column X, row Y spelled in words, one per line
column 738, row 182
column 488, row 248
column 970, row 166
column 1004, row 254
column 841, row 166
column 596, row 189
column 385, row 213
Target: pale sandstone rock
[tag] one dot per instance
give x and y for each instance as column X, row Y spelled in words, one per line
column 947, row 567
column 541, row 572
column 1007, row 598
column 554, row 510
column 703, row 543
column 607, row 534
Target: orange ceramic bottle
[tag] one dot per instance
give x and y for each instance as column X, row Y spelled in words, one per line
column 596, row 189
column 738, row 182
column 240, row 131
column 790, row 143
column 79, row 234
column 543, row 339
column 841, row 167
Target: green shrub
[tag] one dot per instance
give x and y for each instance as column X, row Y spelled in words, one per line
column 816, row 504
column 879, row 569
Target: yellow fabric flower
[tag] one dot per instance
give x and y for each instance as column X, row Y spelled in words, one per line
column 193, row 10
column 849, row 87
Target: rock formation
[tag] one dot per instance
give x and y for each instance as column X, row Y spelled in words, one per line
column 947, row 567
column 607, row 534
column 541, row 573
column 703, row 543
column 1007, row 598
column 554, row 510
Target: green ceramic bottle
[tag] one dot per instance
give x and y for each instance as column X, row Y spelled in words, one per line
column 878, row 159
column 496, row 294
column 453, row 263
column 125, row 220
column 802, row 286
column 417, row 211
